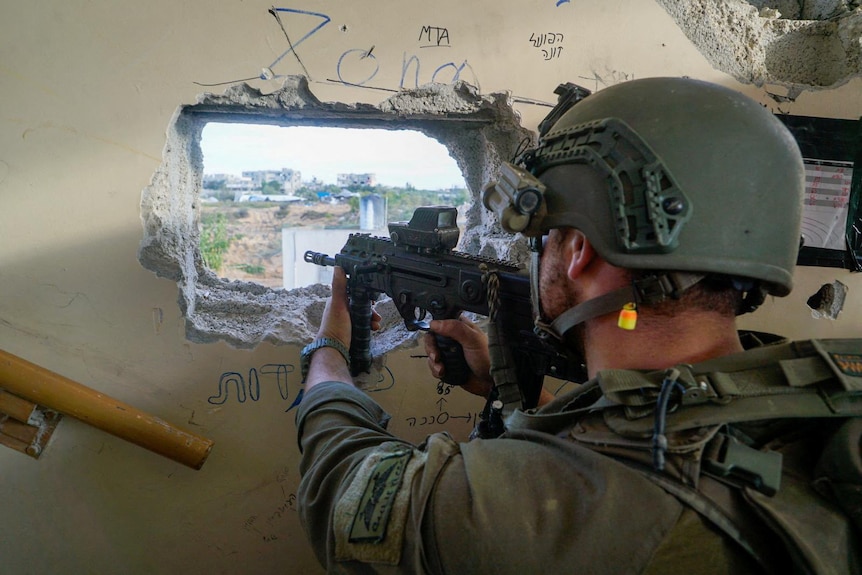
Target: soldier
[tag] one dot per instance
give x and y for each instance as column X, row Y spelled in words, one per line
column 677, row 200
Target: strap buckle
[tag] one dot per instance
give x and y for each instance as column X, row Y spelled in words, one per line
column 696, row 389
column 736, row 463
column 653, row 289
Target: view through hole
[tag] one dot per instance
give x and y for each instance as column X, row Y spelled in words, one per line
column 272, row 192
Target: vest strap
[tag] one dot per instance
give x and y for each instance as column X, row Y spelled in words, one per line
column 815, row 378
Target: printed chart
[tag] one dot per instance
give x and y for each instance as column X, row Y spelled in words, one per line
column 824, row 211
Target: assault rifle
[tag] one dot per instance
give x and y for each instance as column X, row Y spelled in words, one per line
column 419, row 269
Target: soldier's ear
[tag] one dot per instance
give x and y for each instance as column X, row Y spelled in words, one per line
column 580, row 252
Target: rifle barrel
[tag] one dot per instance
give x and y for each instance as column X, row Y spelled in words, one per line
column 318, row 258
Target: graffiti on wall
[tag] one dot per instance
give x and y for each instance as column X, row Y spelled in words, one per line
column 267, row 524
column 550, row 44
column 358, row 66
column 264, row 381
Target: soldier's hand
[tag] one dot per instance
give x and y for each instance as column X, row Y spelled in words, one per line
column 475, row 345
column 336, row 315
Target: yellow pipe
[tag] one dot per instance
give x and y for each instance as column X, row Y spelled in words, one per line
column 16, row 407
column 53, row 391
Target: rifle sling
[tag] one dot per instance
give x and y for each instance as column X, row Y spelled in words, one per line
column 503, row 369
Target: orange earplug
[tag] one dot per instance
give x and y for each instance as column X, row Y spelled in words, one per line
column 628, row 317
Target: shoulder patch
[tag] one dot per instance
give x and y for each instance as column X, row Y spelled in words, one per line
column 375, row 506
column 844, row 357
column 371, row 516
column 848, row 363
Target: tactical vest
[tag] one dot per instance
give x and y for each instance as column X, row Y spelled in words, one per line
column 769, row 439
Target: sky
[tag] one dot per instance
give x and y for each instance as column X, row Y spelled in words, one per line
column 397, row 157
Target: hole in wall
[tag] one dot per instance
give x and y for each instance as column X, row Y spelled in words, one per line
column 272, row 192
column 828, row 301
column 478, row 131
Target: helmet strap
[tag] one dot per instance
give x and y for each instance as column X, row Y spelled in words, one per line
column 650, row 289
column 610, row 302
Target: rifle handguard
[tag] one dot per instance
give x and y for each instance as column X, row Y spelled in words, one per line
column 360, row 334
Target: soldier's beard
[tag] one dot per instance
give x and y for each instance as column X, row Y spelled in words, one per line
column 558, row 292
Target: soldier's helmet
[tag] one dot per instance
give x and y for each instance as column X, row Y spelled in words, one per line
column 672, row 174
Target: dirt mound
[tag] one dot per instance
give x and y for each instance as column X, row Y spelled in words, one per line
column 254, row 253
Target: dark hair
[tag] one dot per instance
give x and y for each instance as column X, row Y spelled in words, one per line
column 716, row 293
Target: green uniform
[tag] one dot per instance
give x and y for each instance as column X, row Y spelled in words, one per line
column 570, row 489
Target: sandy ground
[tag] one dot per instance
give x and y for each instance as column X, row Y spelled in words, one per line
column 256, row 236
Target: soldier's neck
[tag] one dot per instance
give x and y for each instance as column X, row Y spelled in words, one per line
column 658, row 343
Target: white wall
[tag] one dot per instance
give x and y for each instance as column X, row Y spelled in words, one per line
column 87, row 91
column 296, row 241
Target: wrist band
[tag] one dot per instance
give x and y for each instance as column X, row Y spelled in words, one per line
column 319, row 343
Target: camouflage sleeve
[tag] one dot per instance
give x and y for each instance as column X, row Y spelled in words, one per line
column 363, row 492
column 371, row 503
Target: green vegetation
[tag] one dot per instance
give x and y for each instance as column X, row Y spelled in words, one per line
column 254, row 270
column 354, row 206
column 219, row 190
column 271, row 188
column 402, row 202
column 307, row 194
column 214, row 239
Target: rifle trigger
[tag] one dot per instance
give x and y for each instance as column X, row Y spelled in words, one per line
column 415, row 324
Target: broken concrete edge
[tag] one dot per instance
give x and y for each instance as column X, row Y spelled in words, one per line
column 828, row 302
column 480, row 131
column 815, row 45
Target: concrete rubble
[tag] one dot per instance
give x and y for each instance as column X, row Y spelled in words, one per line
column 798, row 44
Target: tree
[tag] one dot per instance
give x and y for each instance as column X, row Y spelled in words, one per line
column 214, row 239
column 271, row 188
column 307, row 194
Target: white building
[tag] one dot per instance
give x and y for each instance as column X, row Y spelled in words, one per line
column 347, row 180
column 278, row 198
column 290, row 180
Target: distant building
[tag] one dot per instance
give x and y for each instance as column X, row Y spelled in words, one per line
column 238, row 184
column 212, row 183
column 347, row 180
column 336, row 197
column 279, row 198
column 213, row 180
column 290, row 180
